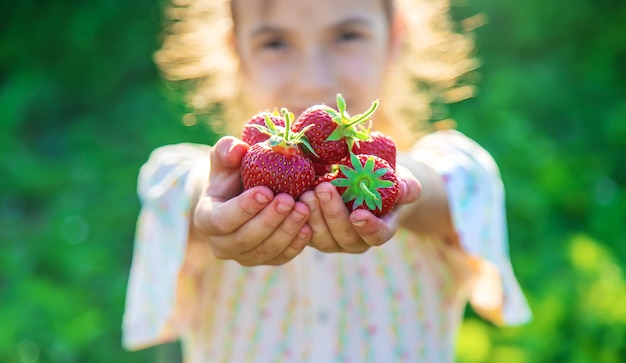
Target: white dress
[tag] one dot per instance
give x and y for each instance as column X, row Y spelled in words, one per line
column 401, row 302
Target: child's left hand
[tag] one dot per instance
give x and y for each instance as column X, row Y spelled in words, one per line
column 335, row 229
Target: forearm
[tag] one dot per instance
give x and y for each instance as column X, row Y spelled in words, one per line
column 430, row 214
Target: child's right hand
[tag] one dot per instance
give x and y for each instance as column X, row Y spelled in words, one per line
column 252, row 227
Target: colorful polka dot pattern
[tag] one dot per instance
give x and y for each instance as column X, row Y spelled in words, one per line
column 401, row 302
column 373, row 307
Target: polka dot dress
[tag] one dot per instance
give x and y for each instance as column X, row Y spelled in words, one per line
column 400, row 302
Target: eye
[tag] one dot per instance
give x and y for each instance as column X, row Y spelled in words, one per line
column 274, row 44
column 349, row 36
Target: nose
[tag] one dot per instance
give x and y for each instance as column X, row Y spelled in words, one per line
column 316, row 80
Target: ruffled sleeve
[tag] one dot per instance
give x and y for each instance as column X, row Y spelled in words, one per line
column 476, row 196
column 169, row 180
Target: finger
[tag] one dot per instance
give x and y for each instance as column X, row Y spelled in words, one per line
column 321, row 238
column 336, row 216
column 256, row 230
column 213, row 217
column 410, row 187
column 280, row 240
column 253, row 232
column 294, row 248
column 229, row 151
column 225, row 176
column 374, row 231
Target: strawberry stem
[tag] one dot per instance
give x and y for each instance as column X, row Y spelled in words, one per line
column 288, row 118
column 283, row 138
column 365, row 189
column 357, row 119
column 348, row 127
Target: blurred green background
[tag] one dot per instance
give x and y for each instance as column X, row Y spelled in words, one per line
column 82, row 106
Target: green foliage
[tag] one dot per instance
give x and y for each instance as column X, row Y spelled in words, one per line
column 551, row 108
column 82, row 106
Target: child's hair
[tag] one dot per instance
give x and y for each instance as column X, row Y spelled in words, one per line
column 430, row 70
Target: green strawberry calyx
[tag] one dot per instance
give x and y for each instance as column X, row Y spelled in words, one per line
column 362, row 183
column 282, row 138
column 349, row 127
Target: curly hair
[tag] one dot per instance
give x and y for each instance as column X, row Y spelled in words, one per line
column 435, row 58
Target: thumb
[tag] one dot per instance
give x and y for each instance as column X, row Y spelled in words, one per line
column 227, row 154
column 224, row 177
column 410, row 187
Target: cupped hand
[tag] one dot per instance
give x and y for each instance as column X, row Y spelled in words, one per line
column 252, row 227
column 336, row 229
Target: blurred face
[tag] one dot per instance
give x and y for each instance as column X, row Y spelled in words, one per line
column 297, row 53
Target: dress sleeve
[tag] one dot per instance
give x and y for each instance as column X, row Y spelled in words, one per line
column 167, row 182
column 476, row 196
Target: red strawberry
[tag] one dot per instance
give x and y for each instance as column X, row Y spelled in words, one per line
column 328, row 151
column 367, row 182
column 253, row 134
column 328, row 176
column 278, row 163
column 320, row 168
column 334, row 131
column 378, row 144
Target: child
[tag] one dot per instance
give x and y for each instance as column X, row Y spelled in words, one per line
column 246, row 276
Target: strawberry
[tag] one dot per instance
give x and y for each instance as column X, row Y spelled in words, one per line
column 334, row 132
column 328, row 175
column 252, row 134
column 378, row 144
column 278, row 163
column 366, row 182
column 321, row 168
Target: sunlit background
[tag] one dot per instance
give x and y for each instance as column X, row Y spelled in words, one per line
column 82, row 105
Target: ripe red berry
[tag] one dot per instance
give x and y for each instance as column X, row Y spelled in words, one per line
column 278, row 163
column 278, row 168
column 367, row 182
column 334, row 131
column 251, row 132
column 378, row 144
column 328, row 151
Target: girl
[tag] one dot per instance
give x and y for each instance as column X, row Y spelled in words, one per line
column 246, row 276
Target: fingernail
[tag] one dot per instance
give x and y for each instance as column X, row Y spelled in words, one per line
column 303, row 236
column 261, row 198
column 323, row 196
column 298, row 242
column 306, row 198
column 359, row 222
column 297, row 216
column 283, row 208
